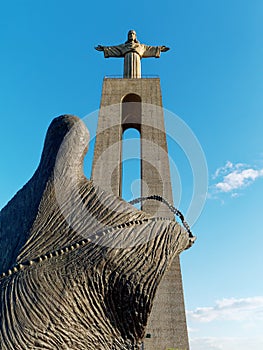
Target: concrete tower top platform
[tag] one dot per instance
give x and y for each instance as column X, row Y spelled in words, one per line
column 114, row 89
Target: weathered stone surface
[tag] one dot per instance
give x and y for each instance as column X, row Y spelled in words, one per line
column 80, row 266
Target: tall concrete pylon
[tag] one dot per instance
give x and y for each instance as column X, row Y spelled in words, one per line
column 137, row 103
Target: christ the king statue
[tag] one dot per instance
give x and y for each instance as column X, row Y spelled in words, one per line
column 132, row 51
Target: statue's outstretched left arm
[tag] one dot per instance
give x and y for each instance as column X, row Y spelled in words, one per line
column 154, row 51
column 164, row 48
column 99, row 48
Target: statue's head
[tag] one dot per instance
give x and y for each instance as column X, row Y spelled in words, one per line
column 132, row 36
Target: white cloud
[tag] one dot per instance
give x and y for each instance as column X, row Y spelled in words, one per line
column 232, row 309
column 230, row 324
column 238, row 179
column 227, row 343
column 227, row 168
column 232, row 177
column 208, row 343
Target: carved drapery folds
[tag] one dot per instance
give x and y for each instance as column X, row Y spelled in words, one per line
column 80, row 267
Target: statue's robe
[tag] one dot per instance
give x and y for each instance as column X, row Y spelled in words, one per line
column 132, row 53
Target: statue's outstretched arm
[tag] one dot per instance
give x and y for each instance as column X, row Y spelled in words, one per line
column 99, row 48
column 154, row 51
column 110, row 51
column 164, row 48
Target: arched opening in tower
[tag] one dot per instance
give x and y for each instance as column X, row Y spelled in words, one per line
column 131, row 147
column 131, row 113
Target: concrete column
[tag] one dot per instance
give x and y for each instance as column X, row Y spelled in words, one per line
column 167, row 323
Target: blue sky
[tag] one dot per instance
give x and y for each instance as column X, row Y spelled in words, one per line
column 212, row 78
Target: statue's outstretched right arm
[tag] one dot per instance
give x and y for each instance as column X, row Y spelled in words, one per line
column 110, row 51
column 99, row 48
